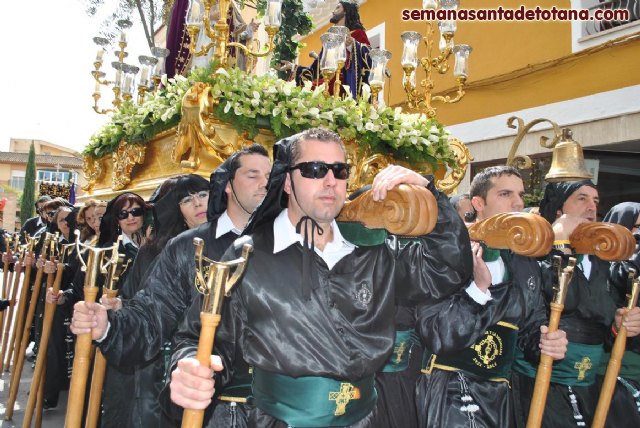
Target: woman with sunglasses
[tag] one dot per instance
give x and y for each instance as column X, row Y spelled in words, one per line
column 182, row 207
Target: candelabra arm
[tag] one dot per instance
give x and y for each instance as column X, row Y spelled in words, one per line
column 447, row 99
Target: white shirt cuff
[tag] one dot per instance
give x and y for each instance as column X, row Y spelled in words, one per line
column 104, row 336
column 479, row 296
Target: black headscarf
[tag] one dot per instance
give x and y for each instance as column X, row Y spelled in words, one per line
column 624, row 213
column 276, row 198
column 167, row 210
column 556, row 194
column 217, row 185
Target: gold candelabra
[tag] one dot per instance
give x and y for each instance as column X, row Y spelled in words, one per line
column 198, row 18
column 124, row 84
column 434, row 62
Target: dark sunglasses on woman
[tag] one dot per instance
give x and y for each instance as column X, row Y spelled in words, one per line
column 135, row 212
column 317, row 169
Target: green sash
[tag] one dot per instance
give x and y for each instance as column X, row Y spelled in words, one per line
column 399, row 359
column 578, row 368
column 630, row 367
column 361, row 236
column 313, row 401
column 491, row 357
column 239, row 390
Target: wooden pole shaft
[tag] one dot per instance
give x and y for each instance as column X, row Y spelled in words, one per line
column 16, row 336
column 41, row 361
column 97, row 381
column 194, row 418
column 543, row 376
column 80, row 373
column 17, row 368
column 10, row 324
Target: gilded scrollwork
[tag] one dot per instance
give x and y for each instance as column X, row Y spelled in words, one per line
column 92, row 170
column 124, row 159
column 449, row 183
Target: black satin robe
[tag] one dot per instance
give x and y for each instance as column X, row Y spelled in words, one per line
column 334, row 334
column 589, row 310
column 140, row 329
column 518, row 301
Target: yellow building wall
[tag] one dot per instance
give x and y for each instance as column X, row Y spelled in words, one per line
column 499, row 50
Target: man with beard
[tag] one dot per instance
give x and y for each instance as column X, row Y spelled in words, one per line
column 313, row 314
column 589, row 316
column 356, row 69
column 472, row 387
column 135, row 334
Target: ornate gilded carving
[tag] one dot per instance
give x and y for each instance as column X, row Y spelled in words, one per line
column 407, row 210
column 92, row 170
column 523, row 233
column 364, row 165
column 463, row 157
column 524, row 161
column 608, row 241
column 124, row 159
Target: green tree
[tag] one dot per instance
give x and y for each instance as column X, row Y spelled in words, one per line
column 27, row 204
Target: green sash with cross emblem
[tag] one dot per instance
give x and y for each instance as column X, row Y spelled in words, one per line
column 313, row 401
column 399, row 359
column 578, row 368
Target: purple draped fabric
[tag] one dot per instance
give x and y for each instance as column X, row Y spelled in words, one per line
column 178, row 39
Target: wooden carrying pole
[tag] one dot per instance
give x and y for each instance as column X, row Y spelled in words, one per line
column 83, row 351
column 17, row 368
column 216, row 285
column 99, row 362
column 10, row 324
column 41, row 361
column 16, row 335
column 615, row 362
column 82, row 355
column 543, row 375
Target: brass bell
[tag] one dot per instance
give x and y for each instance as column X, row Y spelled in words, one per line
column 567, row 161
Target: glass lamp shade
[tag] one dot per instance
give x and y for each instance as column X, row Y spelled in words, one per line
column 330, row 45
column 273, row 14
column 195, row 13
column 410, row 39
column 461, row 68
column 379, row 60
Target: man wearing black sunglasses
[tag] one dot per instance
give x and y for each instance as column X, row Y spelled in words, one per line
column 34, row 224
column 314, row 313
column 135, row 334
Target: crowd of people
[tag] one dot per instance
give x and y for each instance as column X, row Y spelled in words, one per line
column 328, row 327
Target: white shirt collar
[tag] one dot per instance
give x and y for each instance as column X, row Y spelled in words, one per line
column 126, row 240
column 40, row 222
column 284, row 235
column 225, row 225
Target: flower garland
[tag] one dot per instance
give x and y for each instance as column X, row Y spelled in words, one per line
column 251, row 102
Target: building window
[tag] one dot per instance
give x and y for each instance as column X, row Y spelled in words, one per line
column 590, row 33
column 56, row 176
column 17, row 180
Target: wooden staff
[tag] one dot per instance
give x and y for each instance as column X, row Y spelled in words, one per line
column 40, row 403
column 41, row 362
column 99, row 362
column 16, row 335
column 12, row 247
column 543, row 376
column 617, row 353
column 82, row 355
column 5, row 268
column 216, row 286
column 17, row 269
column 17, row 368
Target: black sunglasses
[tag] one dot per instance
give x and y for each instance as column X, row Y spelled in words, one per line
column 318, row 169
column 136, row 212
column 51, row 213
